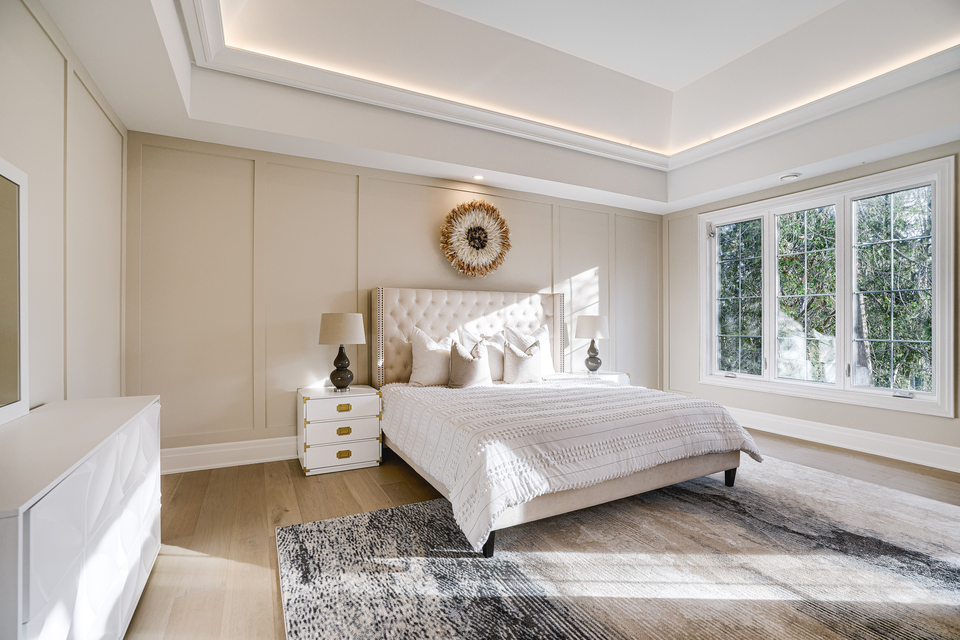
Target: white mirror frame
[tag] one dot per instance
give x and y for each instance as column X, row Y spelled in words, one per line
column 20, row 408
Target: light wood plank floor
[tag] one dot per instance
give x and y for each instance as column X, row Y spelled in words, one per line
column 216, row 576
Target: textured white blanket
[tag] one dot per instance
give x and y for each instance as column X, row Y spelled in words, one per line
column 500, row 446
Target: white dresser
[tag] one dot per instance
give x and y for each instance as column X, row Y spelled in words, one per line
column 338, row 431
column 79, row 516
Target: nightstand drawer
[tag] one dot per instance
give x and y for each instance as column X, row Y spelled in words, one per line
column 342, row 431
column 340, row 408
column 348, row 453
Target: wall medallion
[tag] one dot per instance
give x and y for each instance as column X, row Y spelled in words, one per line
column 475, row 238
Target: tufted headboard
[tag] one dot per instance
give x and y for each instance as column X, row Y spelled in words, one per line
column 438, row 312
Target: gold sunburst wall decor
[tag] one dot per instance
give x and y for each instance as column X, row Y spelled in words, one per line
column 475, row 238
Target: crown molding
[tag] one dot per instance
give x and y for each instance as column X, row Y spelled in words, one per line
column 205, row 33
column 906, row 76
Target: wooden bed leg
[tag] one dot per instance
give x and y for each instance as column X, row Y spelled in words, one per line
column 729, row 476
column 488, row 545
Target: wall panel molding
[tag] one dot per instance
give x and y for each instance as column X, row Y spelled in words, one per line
column 324, row 234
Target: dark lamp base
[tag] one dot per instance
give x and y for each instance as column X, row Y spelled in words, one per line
column 342, row 376
column 593, row 360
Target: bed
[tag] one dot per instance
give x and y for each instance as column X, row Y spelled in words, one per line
column 509, row 454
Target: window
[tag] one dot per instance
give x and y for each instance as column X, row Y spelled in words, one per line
column 841, row 293
column 739, row 330
column 806, row 295
column 893, row 307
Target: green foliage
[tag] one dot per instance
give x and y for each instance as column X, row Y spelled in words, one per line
column 807, row 276
column 739, row 307
column 893, row 311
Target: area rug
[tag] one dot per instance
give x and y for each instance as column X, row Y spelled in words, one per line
column 789, row 552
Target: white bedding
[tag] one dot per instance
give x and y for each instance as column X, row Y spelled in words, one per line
column 498, row 447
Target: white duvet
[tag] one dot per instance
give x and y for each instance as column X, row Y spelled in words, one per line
column 498, row 447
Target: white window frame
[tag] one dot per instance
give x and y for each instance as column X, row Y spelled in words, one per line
column 940, row 402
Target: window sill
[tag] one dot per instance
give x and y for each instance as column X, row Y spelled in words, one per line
column 922, row 403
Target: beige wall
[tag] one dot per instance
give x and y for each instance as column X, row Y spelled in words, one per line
column 57, row 128
column 681, row 318
column 233, row 254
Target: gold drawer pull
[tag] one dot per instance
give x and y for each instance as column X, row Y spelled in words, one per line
column 344, row 431
column 344, row 454
column 344, row 407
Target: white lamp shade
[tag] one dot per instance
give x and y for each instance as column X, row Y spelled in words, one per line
column 592, row 327
column 342, row 328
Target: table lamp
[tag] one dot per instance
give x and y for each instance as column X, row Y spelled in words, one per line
column 342, row 328
column 592, row 328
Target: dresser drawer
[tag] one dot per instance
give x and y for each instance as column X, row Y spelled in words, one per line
column 348, row 453
column 342, row 431
column 338, row 409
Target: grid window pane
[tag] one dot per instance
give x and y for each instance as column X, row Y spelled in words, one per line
column 913, row 366
column 821, row 317
column 806, row 299
column 729, row 317
column 821, row 230
column 791, row 319
column 821, row 361
column 821, row 272
column 751, row 277
column 873, row 267
column 893, row 295
column 791, row 274
column 790, row 238
column 912, row 315
column 791, row 358
column 739, row 305
column 872, row 368
column 872, row 219
column 912, row 213
column 913, row 264
column 751, row 317
column 871, row 312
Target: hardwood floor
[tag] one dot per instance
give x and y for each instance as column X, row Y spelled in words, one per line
column 216, row 576
column 936, row 484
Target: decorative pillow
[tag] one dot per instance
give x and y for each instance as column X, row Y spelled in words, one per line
column 524, row 341
column 469, row 368
column 495, row 344
column 521, row 366
column 431, row 359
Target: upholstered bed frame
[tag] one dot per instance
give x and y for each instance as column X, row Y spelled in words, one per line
column 438, row 312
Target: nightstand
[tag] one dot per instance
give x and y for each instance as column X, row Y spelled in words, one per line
column 615, row 376
column 338, row 431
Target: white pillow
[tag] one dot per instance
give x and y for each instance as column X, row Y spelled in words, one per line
column 431, row 359
column 522, row 366
column 495, row 344
column 525, row 341
column 469, row 368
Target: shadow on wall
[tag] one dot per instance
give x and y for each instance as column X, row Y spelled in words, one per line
column 582, row 297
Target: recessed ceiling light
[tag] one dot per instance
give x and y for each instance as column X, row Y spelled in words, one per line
column 478, row 177
column 790, row 177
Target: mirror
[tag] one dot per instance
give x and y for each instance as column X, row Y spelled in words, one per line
column 14, row 400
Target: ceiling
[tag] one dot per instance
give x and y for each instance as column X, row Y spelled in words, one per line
column 643, row 104
column 668, row 44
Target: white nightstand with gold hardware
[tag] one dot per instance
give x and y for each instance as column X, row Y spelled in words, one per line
column 338, row 431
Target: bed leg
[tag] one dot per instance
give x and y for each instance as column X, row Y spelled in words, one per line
column 488, row 545
column 729, row 476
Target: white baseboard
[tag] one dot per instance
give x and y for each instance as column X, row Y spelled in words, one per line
column 929, row 454
column 230, row 454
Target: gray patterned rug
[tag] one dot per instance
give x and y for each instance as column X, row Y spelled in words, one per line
column 790, row 552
